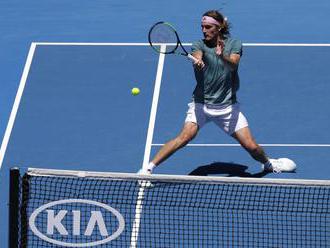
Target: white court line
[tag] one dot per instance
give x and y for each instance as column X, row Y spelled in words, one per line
column 185, row 44
column 265, row 145
column 91, row 44
column 154, row 107
column 288, row 44
column 137, row 218
column 150, row 134
column 17, row 101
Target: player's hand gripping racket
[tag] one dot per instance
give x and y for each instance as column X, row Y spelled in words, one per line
column 164, row 33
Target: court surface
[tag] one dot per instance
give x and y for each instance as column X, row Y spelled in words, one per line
column 73, row 107
column 75, row 110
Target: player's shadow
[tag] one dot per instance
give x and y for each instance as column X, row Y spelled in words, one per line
column 226, row 169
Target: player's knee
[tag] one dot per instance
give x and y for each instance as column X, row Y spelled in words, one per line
column 185, row 137
column 188, row 133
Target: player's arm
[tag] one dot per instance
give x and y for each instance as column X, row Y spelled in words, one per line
column 232, row 60
column 199, row 56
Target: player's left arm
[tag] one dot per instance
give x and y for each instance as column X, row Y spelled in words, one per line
column 232, row 59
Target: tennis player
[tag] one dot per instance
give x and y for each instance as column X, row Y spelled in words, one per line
column 214, row 98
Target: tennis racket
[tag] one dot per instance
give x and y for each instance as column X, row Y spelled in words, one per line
column 164, row 33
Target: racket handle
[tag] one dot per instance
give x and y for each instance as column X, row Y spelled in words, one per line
column 192, row 58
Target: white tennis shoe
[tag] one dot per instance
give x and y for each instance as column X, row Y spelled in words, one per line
column 280, row 165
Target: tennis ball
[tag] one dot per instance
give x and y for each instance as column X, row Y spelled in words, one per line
column 135, row 91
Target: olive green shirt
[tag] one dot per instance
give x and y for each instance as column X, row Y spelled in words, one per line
column 217, row 82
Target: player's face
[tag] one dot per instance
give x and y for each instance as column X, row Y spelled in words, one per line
column 210, row 31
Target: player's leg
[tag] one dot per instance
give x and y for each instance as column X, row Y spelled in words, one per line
column 195, row 119
column 245, row 138
column 232, row 121
column 235, row 124
column 188, row 132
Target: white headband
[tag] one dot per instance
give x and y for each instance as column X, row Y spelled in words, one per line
column 211, row 20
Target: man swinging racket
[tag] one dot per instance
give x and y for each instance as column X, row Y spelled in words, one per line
column 216, row 61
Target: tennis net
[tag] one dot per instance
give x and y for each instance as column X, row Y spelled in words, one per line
column 60, row 208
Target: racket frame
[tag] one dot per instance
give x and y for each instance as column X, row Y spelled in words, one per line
column 178, row 42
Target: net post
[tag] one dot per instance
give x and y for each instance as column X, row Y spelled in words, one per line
column 14, row 182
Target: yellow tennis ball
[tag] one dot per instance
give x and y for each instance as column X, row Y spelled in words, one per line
column 135, row 91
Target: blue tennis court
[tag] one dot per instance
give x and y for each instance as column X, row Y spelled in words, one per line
column 74, row 109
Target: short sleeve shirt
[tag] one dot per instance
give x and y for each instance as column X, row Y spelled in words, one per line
column 217, row 82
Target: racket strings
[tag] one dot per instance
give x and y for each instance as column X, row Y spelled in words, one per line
column 163, row 34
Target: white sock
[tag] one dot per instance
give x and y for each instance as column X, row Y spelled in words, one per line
column 151, row 166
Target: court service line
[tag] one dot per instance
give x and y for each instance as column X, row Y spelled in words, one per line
column 92, row 44
column 288, row 44
column 16, row 104
column 265, row 145
column 185, row 44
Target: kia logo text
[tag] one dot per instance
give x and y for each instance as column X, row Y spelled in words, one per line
column 95, row 223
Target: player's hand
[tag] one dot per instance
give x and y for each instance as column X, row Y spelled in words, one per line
column 199, row 64
column 220, row 47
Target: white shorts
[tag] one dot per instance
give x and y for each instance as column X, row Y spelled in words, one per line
column 230, row 119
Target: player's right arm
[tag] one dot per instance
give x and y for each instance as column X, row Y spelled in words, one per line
column 199, row 56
